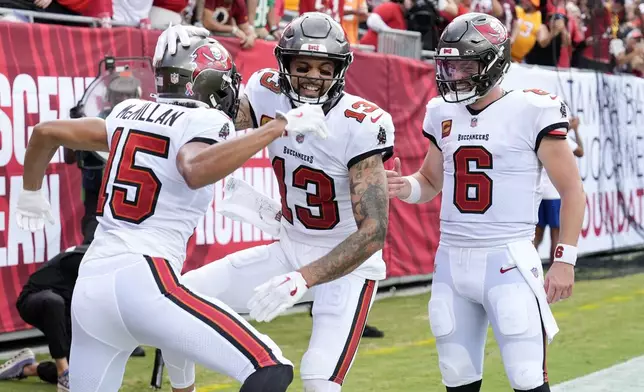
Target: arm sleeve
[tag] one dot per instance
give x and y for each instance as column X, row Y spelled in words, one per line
column 552, row 120
column 429, row 130
column 208, row 126
column 369, row 138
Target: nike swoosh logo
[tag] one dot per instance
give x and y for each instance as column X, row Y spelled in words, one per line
column 504, row 270
column 299, row 115
column 294, row 291
column 375, row 119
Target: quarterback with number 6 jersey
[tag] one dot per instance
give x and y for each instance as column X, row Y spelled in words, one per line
column 334, row 203
column 164, row 158
column 486, row 153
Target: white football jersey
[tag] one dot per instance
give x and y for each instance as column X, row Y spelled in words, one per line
column 313, row 174
column 145, row 206
column 492, row 175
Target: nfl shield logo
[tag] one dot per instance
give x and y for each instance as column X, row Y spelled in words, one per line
column 174, row 78
column 535, row 272
column 474, row 122
column 299, row 138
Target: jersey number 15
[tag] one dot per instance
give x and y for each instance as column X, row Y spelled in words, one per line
column 143, row 179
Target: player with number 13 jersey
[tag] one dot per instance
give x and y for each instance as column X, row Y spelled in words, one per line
column 334, row 203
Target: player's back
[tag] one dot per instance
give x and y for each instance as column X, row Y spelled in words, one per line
column 145, row 206
column 492, row 175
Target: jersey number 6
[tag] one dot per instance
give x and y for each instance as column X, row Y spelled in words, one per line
column 472, row 188
column 323, row 198
column 143, row 179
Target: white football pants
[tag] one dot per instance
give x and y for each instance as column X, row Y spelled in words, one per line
column 126, row 300
column 340, row 307
column 471, row 286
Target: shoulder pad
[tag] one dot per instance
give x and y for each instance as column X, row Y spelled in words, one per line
column 267, row 78
column 435, row 102
column 541, row 99
column 360, row 111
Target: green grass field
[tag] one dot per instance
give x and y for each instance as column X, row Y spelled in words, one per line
column 601, row 325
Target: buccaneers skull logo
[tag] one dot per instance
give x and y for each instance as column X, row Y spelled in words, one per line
column 492, row 30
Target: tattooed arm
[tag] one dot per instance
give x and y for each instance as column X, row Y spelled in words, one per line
column 368, row 184
column 244, row 118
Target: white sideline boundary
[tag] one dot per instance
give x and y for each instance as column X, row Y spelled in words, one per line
column 624, row 377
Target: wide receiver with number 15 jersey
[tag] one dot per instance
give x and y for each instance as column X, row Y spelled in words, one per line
column 334, row 203
column 164, row 158
column 487, row 147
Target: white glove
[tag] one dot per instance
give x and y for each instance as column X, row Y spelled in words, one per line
column 243, row 203
column 32, row 210
column 168, row 39
column 305, row 119
column 277, row 295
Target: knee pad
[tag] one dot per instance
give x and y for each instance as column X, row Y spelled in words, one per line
column 441, row 318
column 456, row 366
column 473, row 387
column 47, row 372
column 526, row 376
column 542, row 388
column 275, row 378
column 319, row 385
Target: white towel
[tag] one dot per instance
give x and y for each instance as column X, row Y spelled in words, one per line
column 244, row 203
column 526, row 258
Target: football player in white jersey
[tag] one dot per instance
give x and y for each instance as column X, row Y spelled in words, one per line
column 487, row 147
column 334, row 203
column 164, row 158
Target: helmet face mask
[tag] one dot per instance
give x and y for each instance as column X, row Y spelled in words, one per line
column 203, row 74
column 313, row 42
column 473, row 56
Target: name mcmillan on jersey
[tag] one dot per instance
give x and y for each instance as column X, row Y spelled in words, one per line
column 141, row 113
column 475, row 136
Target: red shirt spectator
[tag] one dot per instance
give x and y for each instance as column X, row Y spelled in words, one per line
column 576, row 37
column 392, row 14
column 223, row 10
column 173, row 5
column 334, row 8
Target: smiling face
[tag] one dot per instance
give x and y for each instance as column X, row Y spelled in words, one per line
column 311, row 78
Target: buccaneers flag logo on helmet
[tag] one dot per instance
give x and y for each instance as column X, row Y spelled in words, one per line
column 210, row 56
column 492, row 30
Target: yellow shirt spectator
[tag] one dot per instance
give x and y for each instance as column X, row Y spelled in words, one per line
column 354, row 12
column 529, row 24
column 292, row 5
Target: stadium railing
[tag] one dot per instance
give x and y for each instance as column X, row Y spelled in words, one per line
column 401, row 43
column 31, row 15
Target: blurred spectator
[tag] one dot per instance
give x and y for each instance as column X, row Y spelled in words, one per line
column 595, row 52
column 229, row 17
column 628, row 52
column 262, row 15
column 333, row 8
column 575, row 29
column 92, row 8
column 132, row 12
column 424, row 18
column 386, row 16
column 551, row 37
column 355, row 12
column 524, row 34
column 164, row 12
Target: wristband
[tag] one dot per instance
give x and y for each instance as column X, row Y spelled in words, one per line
column 235, row 30
column 566, row 254
column 414, row 195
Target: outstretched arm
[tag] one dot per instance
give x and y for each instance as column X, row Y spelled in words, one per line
column 86, row 134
